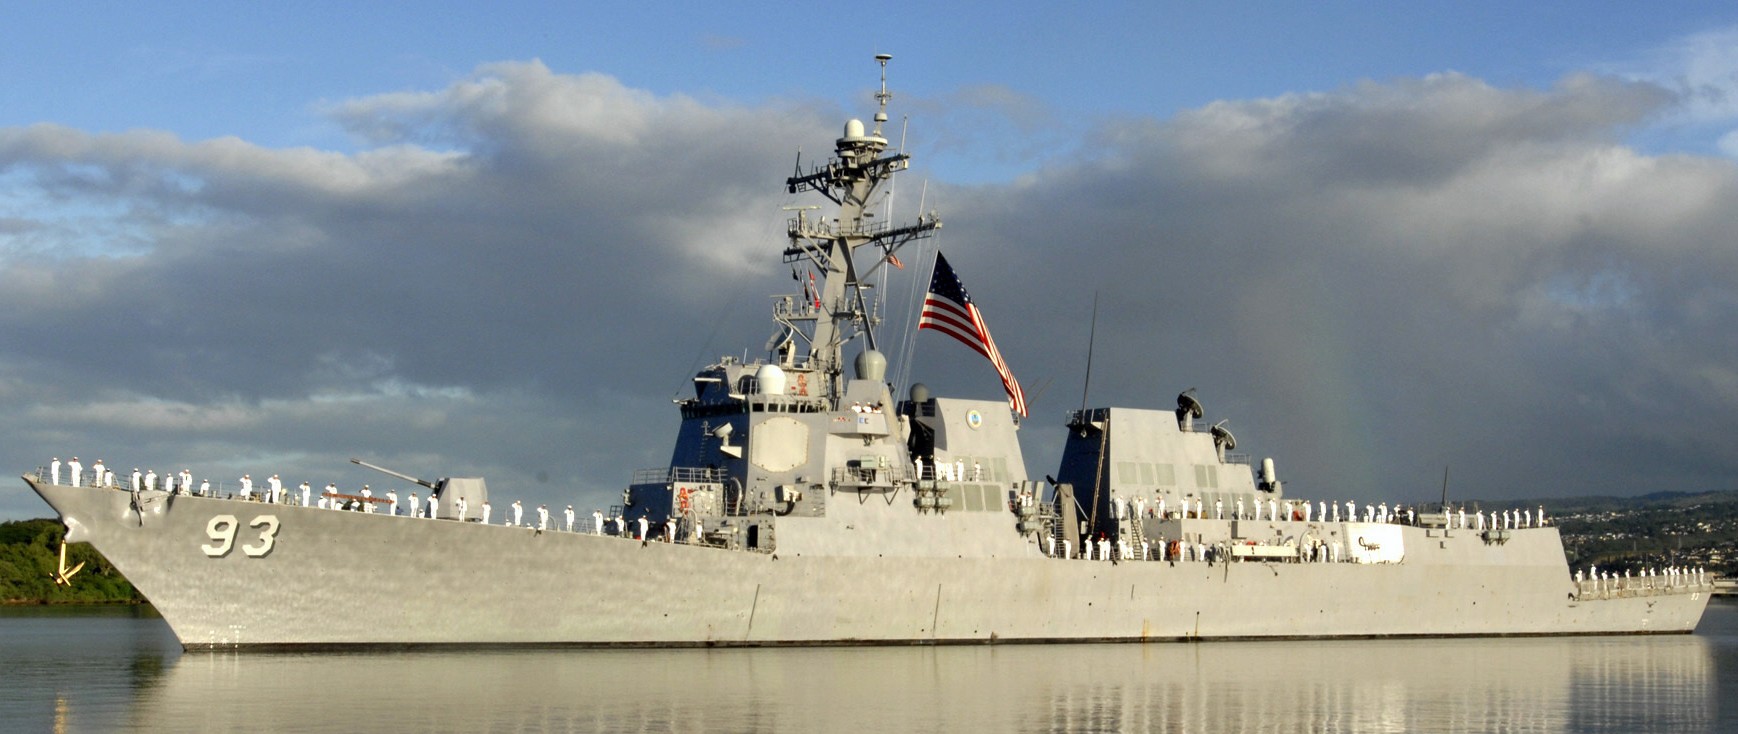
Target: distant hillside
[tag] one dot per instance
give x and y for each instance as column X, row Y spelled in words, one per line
column 1659, row 529
column 30, row 551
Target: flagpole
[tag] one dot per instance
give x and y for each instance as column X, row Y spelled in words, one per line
column 1092, row 335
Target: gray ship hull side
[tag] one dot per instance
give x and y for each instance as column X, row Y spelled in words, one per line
column 333, row 578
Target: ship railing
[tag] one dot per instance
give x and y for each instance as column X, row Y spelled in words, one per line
column 874, row 476
column 1088, row 415
column 1638, row 586
column 677, row 474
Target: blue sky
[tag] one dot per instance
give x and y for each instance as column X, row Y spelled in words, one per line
column 265, row 73
column 457, row 240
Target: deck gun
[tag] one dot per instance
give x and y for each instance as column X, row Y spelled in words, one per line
column 447, row 489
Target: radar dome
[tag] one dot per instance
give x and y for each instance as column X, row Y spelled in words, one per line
column 919, row 393
column 771, row 379
column 871, row 365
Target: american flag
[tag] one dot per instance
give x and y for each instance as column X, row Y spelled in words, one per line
column 949, row 310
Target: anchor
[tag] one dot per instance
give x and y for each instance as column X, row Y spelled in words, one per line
column 63, row 576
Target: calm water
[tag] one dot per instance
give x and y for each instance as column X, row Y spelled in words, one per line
column 108, row 669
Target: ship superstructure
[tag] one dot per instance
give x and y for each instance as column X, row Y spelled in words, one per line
column 806, row 503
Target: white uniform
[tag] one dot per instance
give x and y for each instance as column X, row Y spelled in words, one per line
column 97, row 471
column 306, row 490
column 392, row 501
column 486, row 511
column 596, row 522
column 415, row 506
column 367, row 494
column 151, row 479
column 54, row 471
column 570, row 518
column 542, row 517
column 77, row 470
column 434, row 506
column 205, row 488
column 463, row 507
column 518, row 513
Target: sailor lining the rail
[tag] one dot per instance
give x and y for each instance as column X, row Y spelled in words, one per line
column 486, row 511
column 434, row 505
column 518, row 513
column 569, row 517
column 463, row 507
column 77, row 470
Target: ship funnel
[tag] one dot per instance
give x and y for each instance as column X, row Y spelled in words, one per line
column 771, row 379
column 871, row 365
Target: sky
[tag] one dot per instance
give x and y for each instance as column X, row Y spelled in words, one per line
column 1380, row 239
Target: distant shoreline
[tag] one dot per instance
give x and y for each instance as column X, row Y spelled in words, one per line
column 55, row 603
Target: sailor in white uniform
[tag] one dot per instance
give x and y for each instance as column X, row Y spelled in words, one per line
column 569, row 516
column 486, row 511
column 518, row 513
column 97, row 470
column 434, row 506
column 77, row 470
column 464, row 507
column 367, row 494
column 54, row 471
column 596, row 522
column 205, row 488
column 306, row 490
column 392, row 502
column 542, row 518
column 415, row 505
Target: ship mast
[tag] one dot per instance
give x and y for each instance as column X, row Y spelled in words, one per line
column 837, row 312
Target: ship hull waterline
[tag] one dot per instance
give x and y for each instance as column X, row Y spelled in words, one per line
column 340, row 580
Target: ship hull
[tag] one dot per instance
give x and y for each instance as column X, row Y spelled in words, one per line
column 341, row 579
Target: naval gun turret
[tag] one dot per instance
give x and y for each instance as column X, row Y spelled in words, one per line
column 447, row 489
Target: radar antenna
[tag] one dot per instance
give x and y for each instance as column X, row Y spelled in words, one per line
column 882, row 96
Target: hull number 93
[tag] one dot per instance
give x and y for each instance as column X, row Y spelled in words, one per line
column 262, row 531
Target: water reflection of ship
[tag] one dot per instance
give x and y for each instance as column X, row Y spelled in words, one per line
column 1528, row 684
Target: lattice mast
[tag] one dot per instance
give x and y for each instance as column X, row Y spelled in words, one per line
column 837, row 312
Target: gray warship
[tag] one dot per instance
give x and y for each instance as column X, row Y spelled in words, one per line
column 804, row 504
